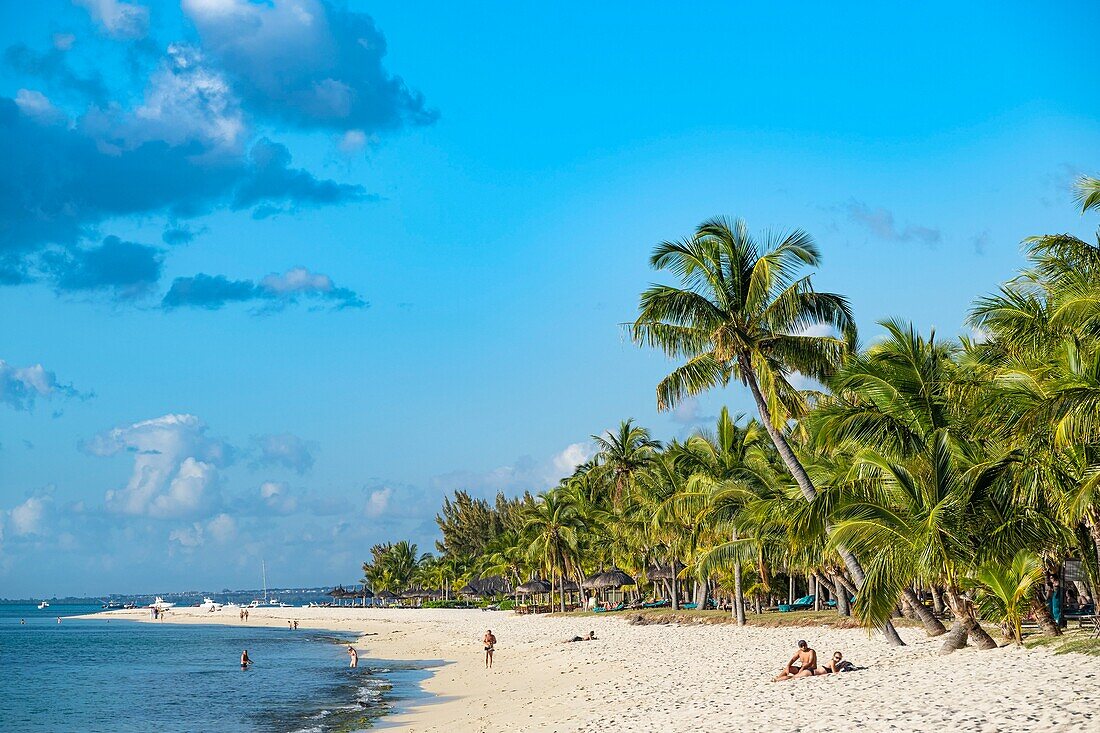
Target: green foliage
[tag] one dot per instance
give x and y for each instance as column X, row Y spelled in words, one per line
column 1004, row 591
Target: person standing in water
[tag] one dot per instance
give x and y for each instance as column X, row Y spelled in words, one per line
column 354, row 656
column 245, row 661
column 490, row 642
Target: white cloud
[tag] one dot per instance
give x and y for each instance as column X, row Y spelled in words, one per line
column 27, row 518
column 118, row 19
column 283, row 449
column 175, row 471
column 20, row 386
column 525, row 474
column 37, row 105
column 880, row 222
column 575, row 454
column 276, row 497
column 187, row 100
column 219, row 530
column 379, row 501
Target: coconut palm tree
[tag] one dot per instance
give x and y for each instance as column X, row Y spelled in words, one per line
column 745, row 310
column 1004, row 591
column 623, row 454
column 552, row 526
column 1088, row 192
column 724, row 466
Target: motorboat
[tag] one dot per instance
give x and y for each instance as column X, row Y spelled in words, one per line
column 160, row 604
column 43, row 604
column 110, row 605
column 210, row 605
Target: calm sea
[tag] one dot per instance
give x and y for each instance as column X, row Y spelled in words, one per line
column 123, row 677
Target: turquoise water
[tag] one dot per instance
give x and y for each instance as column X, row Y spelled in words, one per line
column 123, row 677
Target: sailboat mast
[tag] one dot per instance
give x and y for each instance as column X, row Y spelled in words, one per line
column 263, row 568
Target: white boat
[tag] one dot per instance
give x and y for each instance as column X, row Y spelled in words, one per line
column 160, row 604
column 42, row 605
column 210, row 605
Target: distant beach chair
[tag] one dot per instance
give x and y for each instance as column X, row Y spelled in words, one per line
column 800, row 604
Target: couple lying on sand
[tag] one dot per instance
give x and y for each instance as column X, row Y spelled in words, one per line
column 804, row 664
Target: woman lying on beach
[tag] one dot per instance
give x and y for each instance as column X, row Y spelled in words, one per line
column 591, row 637
column 838, row 664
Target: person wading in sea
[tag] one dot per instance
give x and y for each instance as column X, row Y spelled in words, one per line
column 490, row 642
column 354, row 656
column 245, row 661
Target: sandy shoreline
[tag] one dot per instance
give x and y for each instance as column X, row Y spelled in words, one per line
column 687, row 678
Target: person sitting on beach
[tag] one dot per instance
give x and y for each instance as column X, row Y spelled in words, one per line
column 838, row 664
column 245, row 661
column 806, row 667
column 490, row 642
column 591, row 637
column 354, row 656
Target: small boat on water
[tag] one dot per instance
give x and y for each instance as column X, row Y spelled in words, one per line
column 210, row 605
column 43, row 604
column 111, row 605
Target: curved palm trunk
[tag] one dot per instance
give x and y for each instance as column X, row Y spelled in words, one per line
column 1043, row 616
column 806, row 485
column 932, row 625
column 965, row 624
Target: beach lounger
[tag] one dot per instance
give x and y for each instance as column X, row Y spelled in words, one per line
column 801, row 604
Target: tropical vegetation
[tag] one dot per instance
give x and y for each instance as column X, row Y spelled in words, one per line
column 943, row 479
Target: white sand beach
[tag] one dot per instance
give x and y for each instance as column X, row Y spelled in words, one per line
column 697, row 677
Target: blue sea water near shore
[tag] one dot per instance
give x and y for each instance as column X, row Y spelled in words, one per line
column 122, row 676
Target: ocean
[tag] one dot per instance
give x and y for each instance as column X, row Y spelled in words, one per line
column 119, row 676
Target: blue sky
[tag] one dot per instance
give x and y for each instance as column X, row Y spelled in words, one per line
column 275, row 276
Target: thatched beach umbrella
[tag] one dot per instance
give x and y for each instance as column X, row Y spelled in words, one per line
column 568, row 586
column 534, row 587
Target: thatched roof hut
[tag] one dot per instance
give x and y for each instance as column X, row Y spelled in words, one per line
column 613, row 578
column 568, row 586
column 532, row 587
column 494, row 585
column 386, row 595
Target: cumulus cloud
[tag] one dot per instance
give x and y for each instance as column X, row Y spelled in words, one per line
column 310, row 63
column 283, row 449
column 127, row 269
column 378, row 501
column 271, row 293
column 220, row 529
column 118, row 19
column 52, row 67
column 21, row 386
column 175, row 471
column 276, row 498
column 272, row 181
column 524, row 474
column 179, row 153
column 180, row 234
column 880, row 222
column 29, row 517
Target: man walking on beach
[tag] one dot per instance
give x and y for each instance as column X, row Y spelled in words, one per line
column 490, row 646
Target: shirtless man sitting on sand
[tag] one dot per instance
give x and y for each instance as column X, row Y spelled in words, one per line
column 806, row 667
